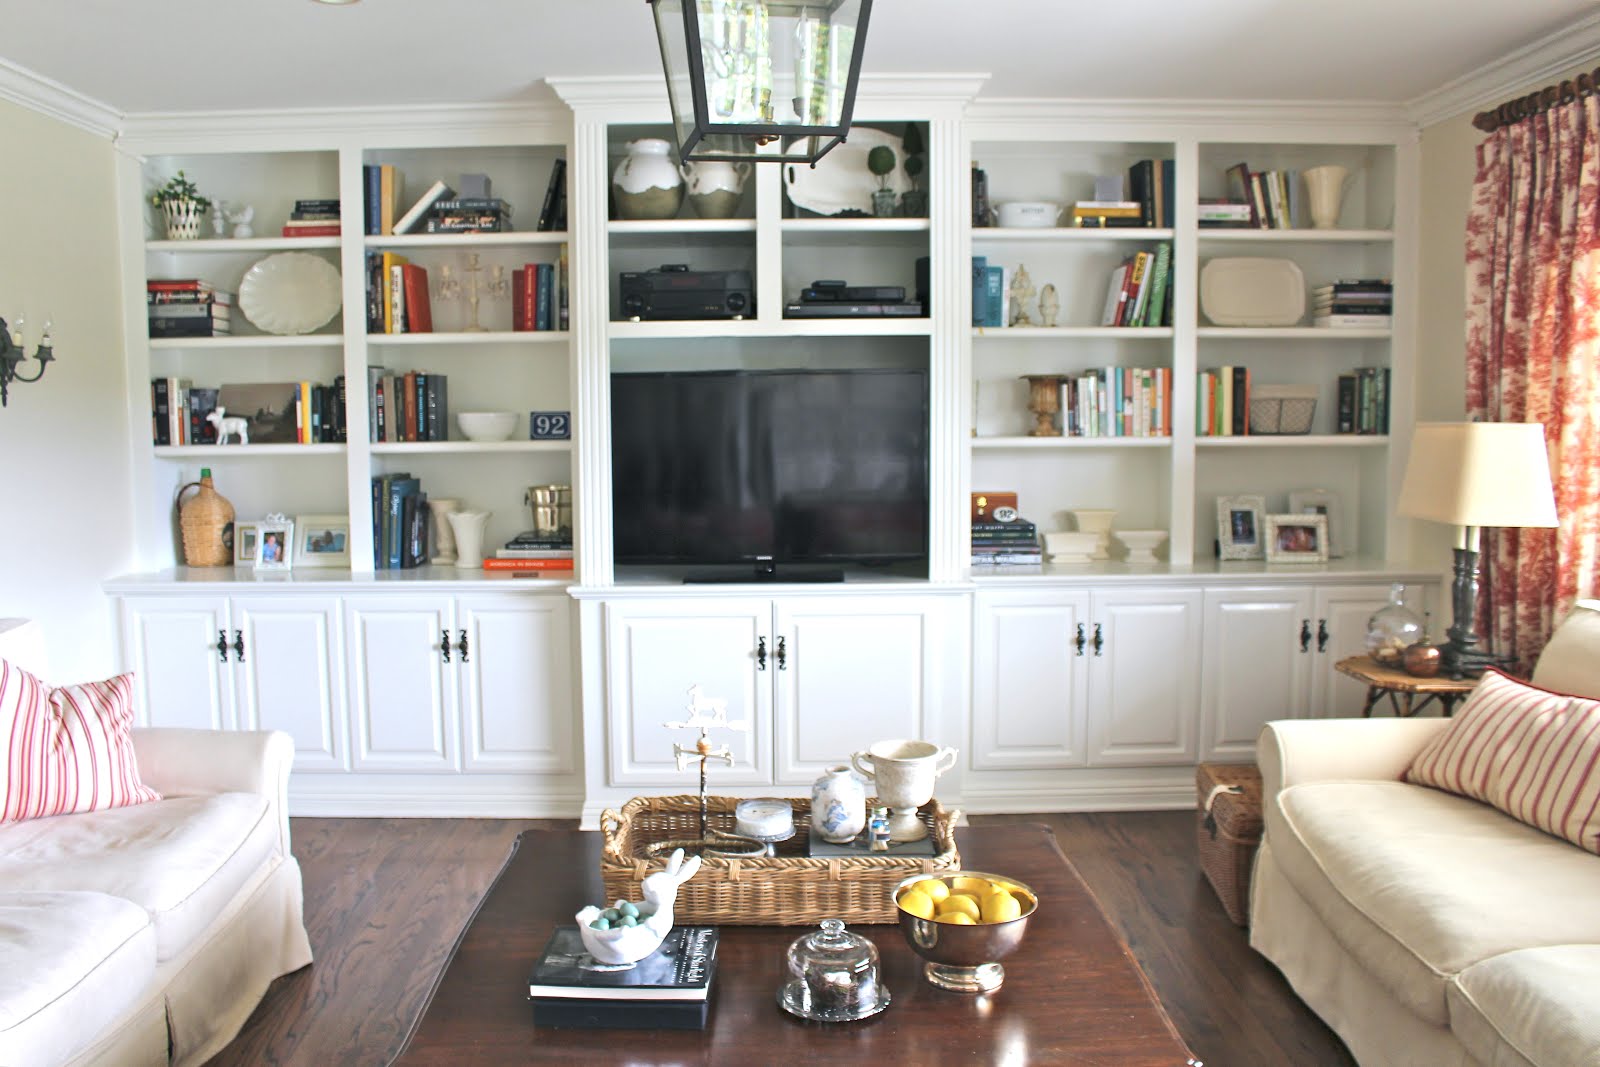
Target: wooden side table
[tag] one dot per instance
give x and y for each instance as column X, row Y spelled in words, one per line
column 1402, row 689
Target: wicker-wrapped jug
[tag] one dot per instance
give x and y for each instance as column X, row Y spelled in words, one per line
column 206, row 520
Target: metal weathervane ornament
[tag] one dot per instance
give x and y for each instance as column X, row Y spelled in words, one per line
column 744, row 73
column 705, row 714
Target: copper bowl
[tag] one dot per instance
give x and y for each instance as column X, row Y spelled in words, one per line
column 965, row 959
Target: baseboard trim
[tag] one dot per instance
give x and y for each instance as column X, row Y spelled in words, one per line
column 1033, row 799
column 411, row 805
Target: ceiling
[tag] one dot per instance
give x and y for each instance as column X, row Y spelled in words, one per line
column 206, row 55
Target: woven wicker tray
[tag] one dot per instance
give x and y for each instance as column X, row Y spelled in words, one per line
column 789, row 889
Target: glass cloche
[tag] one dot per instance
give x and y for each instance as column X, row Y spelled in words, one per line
column 1392, row 629
column 831, row 975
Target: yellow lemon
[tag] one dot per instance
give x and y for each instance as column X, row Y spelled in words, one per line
column 966, row 884
column 1000, row 907
column 959, row 904
column 917, row 903
column 958, row 918
column 935, row 889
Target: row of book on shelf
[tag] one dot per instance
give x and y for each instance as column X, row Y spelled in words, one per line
column 399, row 297
column 1222, row 402
column 188, row 307
column 1117, row 402
column 1003, row 544
column 400, row 531
column 1262, row 199
column 274, row 412
column 1145, row 199
column 1139, row 292
column 407, row 406
column 444, row 209
column 1357, row 303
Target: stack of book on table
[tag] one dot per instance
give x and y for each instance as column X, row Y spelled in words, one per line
column 188, row 307
column 1014, row 543
column 668, row 990
column 533, row 552
column 1354, row 304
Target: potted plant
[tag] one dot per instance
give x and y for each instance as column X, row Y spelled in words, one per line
column 880, row 161
column 914, row 201
column 182, row 206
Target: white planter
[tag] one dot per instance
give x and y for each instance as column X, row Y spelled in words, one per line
column 183, row 219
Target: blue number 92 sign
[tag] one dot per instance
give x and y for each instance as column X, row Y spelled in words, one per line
column 549, row 425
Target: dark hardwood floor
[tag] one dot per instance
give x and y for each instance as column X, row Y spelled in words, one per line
column 385, row 899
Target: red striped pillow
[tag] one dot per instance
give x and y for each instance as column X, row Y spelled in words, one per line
column 1531, row 752
column 66, row 750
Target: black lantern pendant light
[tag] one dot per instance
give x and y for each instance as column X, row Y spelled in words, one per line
column 743, row 73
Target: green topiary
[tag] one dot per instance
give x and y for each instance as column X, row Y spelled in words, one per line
column 179, row 188
column 880, row 161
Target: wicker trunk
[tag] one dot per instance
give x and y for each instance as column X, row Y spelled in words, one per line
column 1228, row 825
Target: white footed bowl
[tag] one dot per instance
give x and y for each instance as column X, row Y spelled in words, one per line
column 487, row 425
column 1071, row 546
column 1142, row 544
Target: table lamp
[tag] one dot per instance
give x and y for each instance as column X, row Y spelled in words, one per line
column 1472, row 475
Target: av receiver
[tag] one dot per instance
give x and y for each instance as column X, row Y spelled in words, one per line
column 673, row 291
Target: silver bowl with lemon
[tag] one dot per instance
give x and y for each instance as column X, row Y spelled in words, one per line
column 962, row 924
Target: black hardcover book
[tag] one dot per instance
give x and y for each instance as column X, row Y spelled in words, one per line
column 1347, row 403
column 199, row 327
column 680, row 970
column 475, row 205
column 980, row 197
column 202, row 402
column 341, row 428
column 1241, row 401
column 552, row 193
column 160, row 401
column 316, row 207
column 620, row 1014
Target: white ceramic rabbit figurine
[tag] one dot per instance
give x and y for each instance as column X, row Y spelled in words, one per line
column 629, row 944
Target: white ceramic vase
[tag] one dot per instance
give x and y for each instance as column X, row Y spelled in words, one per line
column 646, row 184
column 444, row 535
column 468, row 527
column 1325, row 194
column 838, row 805
column 715, row 187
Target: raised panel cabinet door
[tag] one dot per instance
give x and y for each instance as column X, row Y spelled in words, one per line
column 655, row 652
column 401, row 686
column 1144, row 679
column 516, row 683
column 851, row 671
column 290, row 676
column 1342, row 613
column 179, row 676
column 1030, row 679
column 1258, row 652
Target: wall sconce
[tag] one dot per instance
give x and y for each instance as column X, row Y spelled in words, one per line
column 12, row 353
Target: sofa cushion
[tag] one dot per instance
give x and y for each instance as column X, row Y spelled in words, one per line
column 1398, row 873
column 183, row 859
column 66, row 750
column 1533, row 1006
column 71, row 965
column 1531, row 752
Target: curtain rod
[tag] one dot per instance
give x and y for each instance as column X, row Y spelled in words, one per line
column 1514, row 111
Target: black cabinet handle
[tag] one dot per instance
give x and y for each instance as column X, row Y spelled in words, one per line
column 783, row 655
column 1099, row 642
column 461, row 646
column 1078, row 642
column 761, row 653
column 444, row 644
column 1305, row 635
column 222, row 645
column 238, row 645
column 1322, row 635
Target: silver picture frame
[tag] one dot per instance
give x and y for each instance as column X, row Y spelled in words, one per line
column 1297, row 538
column 1240, row 530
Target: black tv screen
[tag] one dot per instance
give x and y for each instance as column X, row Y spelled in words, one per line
column 712, row 467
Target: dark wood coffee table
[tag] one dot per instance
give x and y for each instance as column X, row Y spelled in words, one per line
column 1072, row 995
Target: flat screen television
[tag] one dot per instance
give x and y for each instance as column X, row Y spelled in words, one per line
column 776, row 468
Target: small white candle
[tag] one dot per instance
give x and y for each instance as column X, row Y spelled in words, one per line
column 763, row 818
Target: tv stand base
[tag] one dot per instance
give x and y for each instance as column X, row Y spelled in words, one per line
column 765, row 571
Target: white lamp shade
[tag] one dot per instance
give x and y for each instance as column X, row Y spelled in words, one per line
column 1479, row 474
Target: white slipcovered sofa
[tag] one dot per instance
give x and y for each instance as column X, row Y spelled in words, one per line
column 1426, row 928
column 146, row 935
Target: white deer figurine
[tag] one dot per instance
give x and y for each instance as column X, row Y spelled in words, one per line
column 229, row 425
column 630, row 944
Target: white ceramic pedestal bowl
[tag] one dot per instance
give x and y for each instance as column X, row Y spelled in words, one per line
column 487, row 425
column 1071, row 546
column 1096, row 520
column 1142, row 544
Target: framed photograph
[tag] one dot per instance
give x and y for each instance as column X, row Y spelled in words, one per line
column 274, row 543
column 1320, row 502
column 322, row 541
column 1297, row 538
column 245, row 538
column 1240, row 534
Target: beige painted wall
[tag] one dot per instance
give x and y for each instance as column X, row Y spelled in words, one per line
column 64, row 466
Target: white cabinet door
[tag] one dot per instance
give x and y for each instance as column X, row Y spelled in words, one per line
column 181, row 676
column 401, row 685
column 850, row 671
column 1342, row 612
column 1144, row 676
column 516, row 683
column 1030, row 679
column 655, row 651
column 1259, row 651
column 290, row 676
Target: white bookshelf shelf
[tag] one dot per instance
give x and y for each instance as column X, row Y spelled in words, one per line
column 247, row 244
column 487, row 337
column 853, row 226
column 304, row 340
column 686, row 227
column 1057, row 333
column 464, row 447
column 755, row 328
column 1326, row 440
column 1304, row 235
column 998, row 234
column 467, row 241
column 997, row 444
column 1290, row 333
column 246, row 451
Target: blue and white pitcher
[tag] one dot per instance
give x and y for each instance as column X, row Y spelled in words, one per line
column 838, row 805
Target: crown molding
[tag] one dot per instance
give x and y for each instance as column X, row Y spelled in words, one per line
column 1524, row 71
column 35, row 92
column 1322, row 120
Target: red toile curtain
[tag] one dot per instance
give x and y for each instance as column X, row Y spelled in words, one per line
column 1533, row 355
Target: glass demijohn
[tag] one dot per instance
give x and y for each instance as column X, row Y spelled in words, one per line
column 1392, row 629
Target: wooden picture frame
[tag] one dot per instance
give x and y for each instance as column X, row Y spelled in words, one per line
column 1321, row 502
column 322, row 541
column 1297, row 538
column 274, row 544
column 1240, row 530
column 245, row 538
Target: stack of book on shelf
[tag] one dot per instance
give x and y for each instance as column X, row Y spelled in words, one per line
column 1140, row 290
column 170, row 404
column 1005, row 544
column 1103, row 214
column 408, row 406
column 188, row 307
column 1151, row 186
column 399, row 522
column 468, row 214
column 533, row 553
column 1354, row 304
column 1118, row 402
column 1273, row 195
column 1364, row 401
column 1222, row 402
column 539, row 295
column 397, row 295
column 670, row 989
column 1220, row 213
column 277, row 413
column 313, row 218
column 382, row 184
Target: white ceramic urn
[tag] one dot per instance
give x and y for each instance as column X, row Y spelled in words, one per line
column 647, row 184
column 715, row 187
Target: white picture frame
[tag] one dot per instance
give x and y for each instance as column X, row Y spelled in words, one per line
column 1240, row 530
column 274, row 544
column 1297, row 538
column 1321, row 502
column 246, row 536
column 322, row 541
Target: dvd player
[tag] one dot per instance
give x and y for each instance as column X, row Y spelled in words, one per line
column 844, row 309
